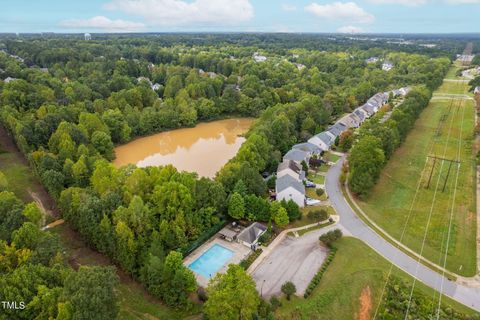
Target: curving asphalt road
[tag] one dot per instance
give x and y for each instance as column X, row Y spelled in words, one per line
column 353, row 225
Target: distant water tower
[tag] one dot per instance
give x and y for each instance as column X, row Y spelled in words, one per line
column 88, row 36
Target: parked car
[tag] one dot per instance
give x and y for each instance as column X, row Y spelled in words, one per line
column 310, row 184
column 312, row 202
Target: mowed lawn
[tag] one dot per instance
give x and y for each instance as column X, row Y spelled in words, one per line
column 391, row 200
column 19, row 176
column 449, row 87
column 355, row 268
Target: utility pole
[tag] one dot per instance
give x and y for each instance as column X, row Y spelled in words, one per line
column 431, row 172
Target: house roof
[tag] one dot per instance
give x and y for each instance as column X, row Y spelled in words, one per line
column 350, row 120
column 288, row 181
column 289, row 164
column 307, row 147
column 251, row 233
column 296, row 155
column 228, row 233
column 326, row 138
column 337, row 128
column 369, row 108
column 360, row 113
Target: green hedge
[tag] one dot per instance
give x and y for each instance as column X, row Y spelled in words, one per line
column 247, row 262
column 318, row 276
column 204, row 237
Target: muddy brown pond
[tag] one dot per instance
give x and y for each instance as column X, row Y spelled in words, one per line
column 204, row 149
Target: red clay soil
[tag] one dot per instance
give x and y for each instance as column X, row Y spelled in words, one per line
column 365, row 304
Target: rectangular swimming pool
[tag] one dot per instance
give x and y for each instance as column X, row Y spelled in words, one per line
column 211, row 261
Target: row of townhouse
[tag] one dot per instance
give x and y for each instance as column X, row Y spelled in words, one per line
column 290, row 175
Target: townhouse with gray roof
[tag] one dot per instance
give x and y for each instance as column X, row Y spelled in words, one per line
column 297, row 155
column 288, row 188
column 308, row 147
column 337, row 129
column 323, row 140
column 291, row 168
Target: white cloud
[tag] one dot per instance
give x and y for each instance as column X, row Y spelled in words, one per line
column 350, row 29
column 414, row 3
column 288, row 7
column 463, row 1
column 346, row 11
column 410, row 3
column 103, row 23
column 179, row 12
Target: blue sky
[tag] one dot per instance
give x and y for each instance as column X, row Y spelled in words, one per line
column 375, row 16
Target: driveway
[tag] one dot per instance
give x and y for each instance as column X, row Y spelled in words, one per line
column 294, row 259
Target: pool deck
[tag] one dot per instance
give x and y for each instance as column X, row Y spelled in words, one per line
column 240, row 252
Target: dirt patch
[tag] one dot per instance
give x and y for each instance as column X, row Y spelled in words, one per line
column 365, row 304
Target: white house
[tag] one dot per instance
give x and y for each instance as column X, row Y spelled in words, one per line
column 88, row 36
column 323, row 140
column 288, row 188
column 250, row 235
column 259, row 58
column 387, row 66
column 9, row 79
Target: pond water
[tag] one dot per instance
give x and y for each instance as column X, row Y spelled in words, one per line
column 204, row 149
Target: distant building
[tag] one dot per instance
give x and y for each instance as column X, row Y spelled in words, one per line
column 88, row 36
column 372, row 60
column 387, row 66
column 299, row 66
column 9, row 79
column 144, row 79
column 259, row 58
column 477, row 90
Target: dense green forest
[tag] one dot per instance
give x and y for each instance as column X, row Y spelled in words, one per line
column 70, row 101
column 34, row 277
column 378, row 140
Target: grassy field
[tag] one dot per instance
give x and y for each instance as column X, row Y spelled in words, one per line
column 328, row 156
column 305, row 220
column 449, row 87
column 317, row 178
column 355, row 269
column 395, row 198
column 18, row 175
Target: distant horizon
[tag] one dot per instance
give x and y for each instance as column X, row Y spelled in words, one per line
column 240, row 32
column 265, row 16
